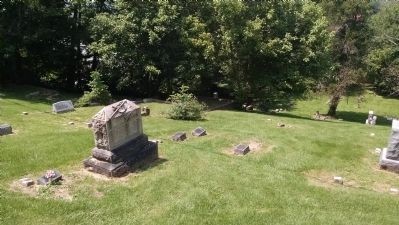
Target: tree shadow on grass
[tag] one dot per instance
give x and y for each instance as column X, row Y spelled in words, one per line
column 360, row 117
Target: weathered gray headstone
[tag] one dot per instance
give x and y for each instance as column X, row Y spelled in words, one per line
column 241, row 149
column 120, row 143
column 179, row 136
column 5, row 129
column 50, row 177
column 198, row 132
column 389, row 158
column 63, row 106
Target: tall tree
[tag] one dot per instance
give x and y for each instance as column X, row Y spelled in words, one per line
column 270, row 51
column 383, row 57
column 348, row 22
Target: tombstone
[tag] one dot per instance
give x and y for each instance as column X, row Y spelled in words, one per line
column 389, row 157
column 145, row 111
column 63, row 106
column 371, row 119
column 179, row 136
column 338, row 180
column 120, row 144
column 241, row 149
column 51, row 177
column 5, row 129
column 199, row 132
column 26, row 182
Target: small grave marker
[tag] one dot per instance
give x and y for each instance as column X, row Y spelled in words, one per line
column 25, row 113
column 145, row 111
column 198, row 132
column 179, row 136
column 50, row 177
column 63, row 106
column 241, row 149
column 26, row 182
column 338, row 180
column 5, row 129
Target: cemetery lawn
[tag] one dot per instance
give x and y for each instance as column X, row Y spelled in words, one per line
column 287, row 180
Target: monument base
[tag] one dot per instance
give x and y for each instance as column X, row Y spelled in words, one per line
column 388, row 164
column 126, row 162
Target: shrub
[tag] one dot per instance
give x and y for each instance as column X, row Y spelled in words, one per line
column 185, row 106
column 99, row 92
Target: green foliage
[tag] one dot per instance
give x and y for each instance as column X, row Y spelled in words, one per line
column 99, row 92
column 185, row 106
column 383, row 56
column 270, row 47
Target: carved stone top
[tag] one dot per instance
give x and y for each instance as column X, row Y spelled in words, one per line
column 121, row 108
column 117, row 124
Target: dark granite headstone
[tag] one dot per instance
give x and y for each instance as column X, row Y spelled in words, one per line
column 241, row 149
column 5, row 129
column 63, row 106
column 50, row 177
column 198, row 132
column 145, row 111
column 179, row 136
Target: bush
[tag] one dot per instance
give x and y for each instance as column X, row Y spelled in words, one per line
column 185, row 106
column 99, row 92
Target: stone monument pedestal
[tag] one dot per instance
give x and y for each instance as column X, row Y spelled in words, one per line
column 120, row 161
column 388, row 164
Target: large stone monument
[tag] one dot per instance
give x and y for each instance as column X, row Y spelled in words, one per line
column 120, row 143
column 389, row 158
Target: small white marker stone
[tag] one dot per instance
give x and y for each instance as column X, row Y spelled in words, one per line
column 338, row 180
column 26, row 182
column 71, row 123
column 372, row 135
column 25, row 113
column 394, row 190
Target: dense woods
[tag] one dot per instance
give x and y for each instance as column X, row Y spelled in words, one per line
column 266, row 52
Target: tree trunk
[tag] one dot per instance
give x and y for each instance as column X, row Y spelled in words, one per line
column 332, row 110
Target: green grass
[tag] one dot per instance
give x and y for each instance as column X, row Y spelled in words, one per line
column 196, row 182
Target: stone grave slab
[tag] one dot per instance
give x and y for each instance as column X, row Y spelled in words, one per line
column 50, row 177
column 199, row 132
column 241, row 149
column 63, row 106
column 5, row 129
column 179, row 136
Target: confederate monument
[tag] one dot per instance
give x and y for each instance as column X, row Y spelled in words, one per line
column 120, row 143
column 389, row 158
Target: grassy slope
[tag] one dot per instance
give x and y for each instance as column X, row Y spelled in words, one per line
column 196, row 182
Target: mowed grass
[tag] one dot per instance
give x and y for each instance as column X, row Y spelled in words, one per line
column 198, row 181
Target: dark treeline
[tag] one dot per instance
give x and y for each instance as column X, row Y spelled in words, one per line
column 266, row 52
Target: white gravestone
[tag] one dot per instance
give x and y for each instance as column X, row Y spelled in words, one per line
column 63, row 106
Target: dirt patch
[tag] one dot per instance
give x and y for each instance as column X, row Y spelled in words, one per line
column 255, row 147
column 326, row 179
column 58, row 191
column 74, row 181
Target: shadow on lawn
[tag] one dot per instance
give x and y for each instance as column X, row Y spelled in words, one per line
column 360, row 117
column 146, row 165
